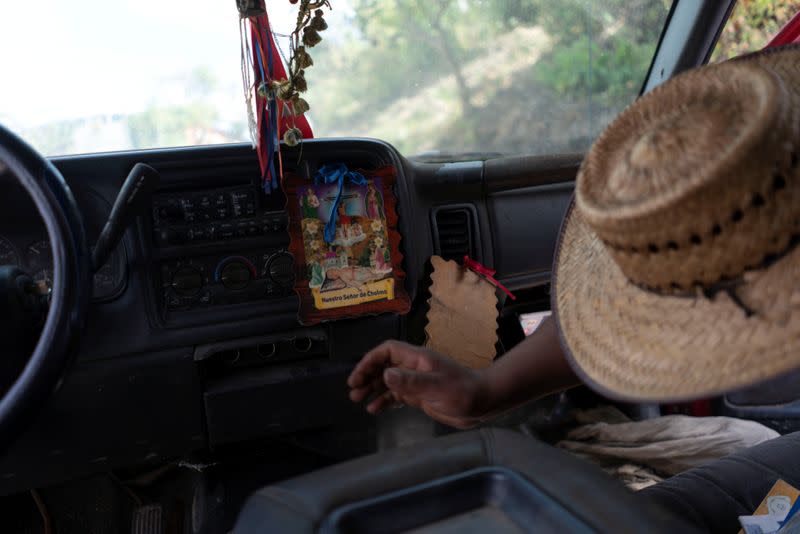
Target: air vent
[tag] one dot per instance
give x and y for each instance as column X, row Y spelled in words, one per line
column 454, row 232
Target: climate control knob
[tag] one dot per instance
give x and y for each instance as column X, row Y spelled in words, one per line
column 236, row 274
column 280, row 269
column 187, row 281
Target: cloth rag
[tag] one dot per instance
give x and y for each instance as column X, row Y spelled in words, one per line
column 667, row 445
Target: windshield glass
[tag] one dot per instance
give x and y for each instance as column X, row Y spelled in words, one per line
column 440, row 80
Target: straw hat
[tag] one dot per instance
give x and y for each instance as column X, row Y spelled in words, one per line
column 677, row 274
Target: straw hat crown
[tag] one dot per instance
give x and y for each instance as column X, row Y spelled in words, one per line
column 693, row 184
column 677, row 274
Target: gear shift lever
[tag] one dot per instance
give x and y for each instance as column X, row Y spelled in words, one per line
column 133, row 197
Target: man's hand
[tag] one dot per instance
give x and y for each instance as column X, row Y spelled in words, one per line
column 457, row 396
column 398, row 372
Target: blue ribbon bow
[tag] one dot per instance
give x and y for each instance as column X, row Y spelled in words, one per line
column 330, row 174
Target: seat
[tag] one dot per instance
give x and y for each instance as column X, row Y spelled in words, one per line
column 430, row 487
column 714, row 495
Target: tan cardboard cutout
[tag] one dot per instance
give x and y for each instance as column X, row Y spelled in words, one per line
column 462, row 320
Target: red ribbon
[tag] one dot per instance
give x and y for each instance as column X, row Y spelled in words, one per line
column 487, row 274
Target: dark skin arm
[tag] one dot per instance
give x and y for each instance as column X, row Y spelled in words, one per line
column 453, row 394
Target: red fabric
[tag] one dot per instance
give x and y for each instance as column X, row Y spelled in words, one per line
column 279, row 72
column 698, row 408
column 788, row 34
column 486, row 273
column 701, row 408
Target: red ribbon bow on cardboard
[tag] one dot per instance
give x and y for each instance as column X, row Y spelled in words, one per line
column 487, row 274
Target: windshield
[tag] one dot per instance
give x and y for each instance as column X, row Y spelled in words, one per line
column 440, row 80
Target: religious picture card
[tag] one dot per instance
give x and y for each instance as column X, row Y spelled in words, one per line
column 345, row 242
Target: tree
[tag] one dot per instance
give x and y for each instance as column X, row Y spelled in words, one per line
column 751, row 25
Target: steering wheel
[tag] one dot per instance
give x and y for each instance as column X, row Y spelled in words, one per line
column 40, row 331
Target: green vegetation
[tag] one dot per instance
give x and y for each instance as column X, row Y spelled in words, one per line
column 616, row 73
column 481, row 75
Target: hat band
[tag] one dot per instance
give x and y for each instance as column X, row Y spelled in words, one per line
column 725, row 285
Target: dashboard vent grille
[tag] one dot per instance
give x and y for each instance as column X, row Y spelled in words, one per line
column 454, row 232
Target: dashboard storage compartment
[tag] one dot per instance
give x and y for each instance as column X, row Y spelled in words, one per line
column 274, row 400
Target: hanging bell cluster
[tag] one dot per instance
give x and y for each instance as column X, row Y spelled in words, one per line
column 289, row 90
column 311, row 36
column 299, row 105
column 293, row 136
column 302, row 58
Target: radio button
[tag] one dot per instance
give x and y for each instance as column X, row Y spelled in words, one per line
column 226, row 230
column 189, row 209
column 252, row 229
column 244, row 203
column 276, row 224
column 222, row 212
column 195, row 234
column 207, row 214
column 169, row 213
column 171, row 237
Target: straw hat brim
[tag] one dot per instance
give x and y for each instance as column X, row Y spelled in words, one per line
column 636, row 345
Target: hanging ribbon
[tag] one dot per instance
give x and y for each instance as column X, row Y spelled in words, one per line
column 487, row 274
column 267, row 147
column 266, row 63
column 336, row 173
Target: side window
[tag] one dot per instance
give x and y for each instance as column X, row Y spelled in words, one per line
column 752, row 25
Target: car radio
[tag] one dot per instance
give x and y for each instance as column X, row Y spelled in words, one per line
column 220, row 246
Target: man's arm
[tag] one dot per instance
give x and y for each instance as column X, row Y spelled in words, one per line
column 534, row 368
column 455, row 395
